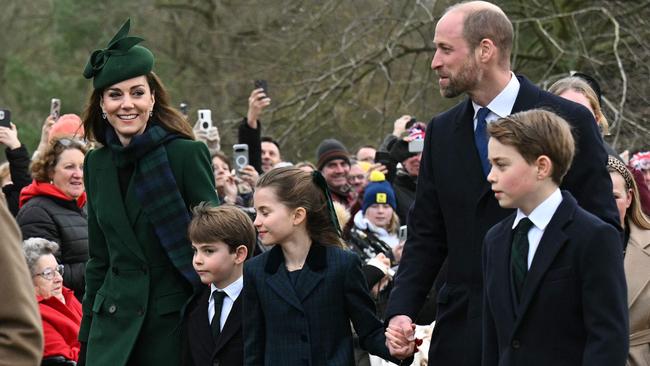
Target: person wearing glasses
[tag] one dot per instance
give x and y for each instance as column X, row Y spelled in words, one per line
column 142, row 183
column 52, row 207
column 60, row 310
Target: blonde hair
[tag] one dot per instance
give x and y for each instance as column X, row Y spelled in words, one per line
column 580, row 86
column 634, row 213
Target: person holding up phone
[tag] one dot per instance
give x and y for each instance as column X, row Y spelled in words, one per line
column 18, row 159
column 264, row 152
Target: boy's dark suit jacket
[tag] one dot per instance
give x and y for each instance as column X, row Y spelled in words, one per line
column 308, row 324
column 228, row 349
column 573, row 307
column 454, row 208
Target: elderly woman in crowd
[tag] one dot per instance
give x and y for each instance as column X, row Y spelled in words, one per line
column 141, row 184
column 52, row 207
column 60, row 310
column 637, row 260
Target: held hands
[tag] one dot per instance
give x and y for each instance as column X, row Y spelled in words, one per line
column 256, row 104
column 9, row 137
column 400, row 337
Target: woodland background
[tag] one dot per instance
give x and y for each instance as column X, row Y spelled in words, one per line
column 335, row 68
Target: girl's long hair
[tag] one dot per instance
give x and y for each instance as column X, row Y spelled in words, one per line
column 295, row 188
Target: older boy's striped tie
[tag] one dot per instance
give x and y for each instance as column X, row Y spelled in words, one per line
column 519, row 255
column 215, row 324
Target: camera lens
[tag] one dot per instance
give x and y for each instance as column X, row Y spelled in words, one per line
column 241, row 161
column 205, row 125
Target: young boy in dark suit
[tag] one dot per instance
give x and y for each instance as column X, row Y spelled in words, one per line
column 555, row 291
column 222, row 238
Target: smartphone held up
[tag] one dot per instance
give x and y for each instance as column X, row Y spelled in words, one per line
column 5, row 118
column 55, row 109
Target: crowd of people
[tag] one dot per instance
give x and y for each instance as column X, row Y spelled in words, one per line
column 505, row 231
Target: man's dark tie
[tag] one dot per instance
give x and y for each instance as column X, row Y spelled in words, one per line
column 215, row 324
column 519, row 255
column 481, row 139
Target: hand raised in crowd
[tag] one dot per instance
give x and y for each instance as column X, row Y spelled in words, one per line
column 400, row 336
column 256, row 104
column 226, row 185
column 399, row 126
column 378, row 167
column 45, row 132
column 249, row 175
column 9, row 137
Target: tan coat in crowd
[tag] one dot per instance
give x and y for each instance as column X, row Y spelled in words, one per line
column 21, row 339
column 637, row 273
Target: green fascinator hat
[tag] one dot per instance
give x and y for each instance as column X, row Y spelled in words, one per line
column 121, row 60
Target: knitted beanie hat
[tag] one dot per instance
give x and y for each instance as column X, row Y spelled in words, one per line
column 378, row 190
column 330, row 149
column 68, row 125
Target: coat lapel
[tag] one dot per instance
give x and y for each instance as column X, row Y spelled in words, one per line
column 312, row 273
column 637, row 263
column 468, row 158
column 233, row 324
column 502, row 266
column 278, row 280
column 107, row 178
column 550, row 244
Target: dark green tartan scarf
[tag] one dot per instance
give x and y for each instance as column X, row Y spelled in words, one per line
column 156, row 190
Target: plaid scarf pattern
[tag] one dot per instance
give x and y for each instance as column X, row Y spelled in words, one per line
column 156, row 190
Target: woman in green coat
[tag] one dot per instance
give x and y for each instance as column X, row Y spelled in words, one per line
column 141, row 185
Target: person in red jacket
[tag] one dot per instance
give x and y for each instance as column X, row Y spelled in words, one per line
column 60, row 310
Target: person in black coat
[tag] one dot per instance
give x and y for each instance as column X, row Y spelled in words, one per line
column 18, row 159
column 454, row 206
column 555, row 290
column 222, row 238
column 52, row 207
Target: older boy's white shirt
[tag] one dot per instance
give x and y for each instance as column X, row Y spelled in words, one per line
column 232, row 293
column 540, row 218
column 502, row 104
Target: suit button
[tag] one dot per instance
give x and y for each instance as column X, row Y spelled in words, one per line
column 303, row 338
column 516, row 344
column 112, row 309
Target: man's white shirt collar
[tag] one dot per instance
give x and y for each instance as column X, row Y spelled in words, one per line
column 502, row 104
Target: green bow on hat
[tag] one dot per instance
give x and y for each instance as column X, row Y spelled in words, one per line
column 121, row 60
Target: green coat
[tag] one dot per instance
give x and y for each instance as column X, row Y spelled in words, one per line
column 131, row 309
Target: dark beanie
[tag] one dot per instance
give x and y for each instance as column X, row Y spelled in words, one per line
column 121, row 60
column 329, row 150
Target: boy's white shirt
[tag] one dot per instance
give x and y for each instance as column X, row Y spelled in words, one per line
column 540, row 217
column 232, row 293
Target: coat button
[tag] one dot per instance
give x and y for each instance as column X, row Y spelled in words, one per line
column 140, row 311
column 516, row 344
column 112, row 309
column 144, row 269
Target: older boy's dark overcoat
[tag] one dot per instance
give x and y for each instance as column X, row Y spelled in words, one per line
column 573, row 307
